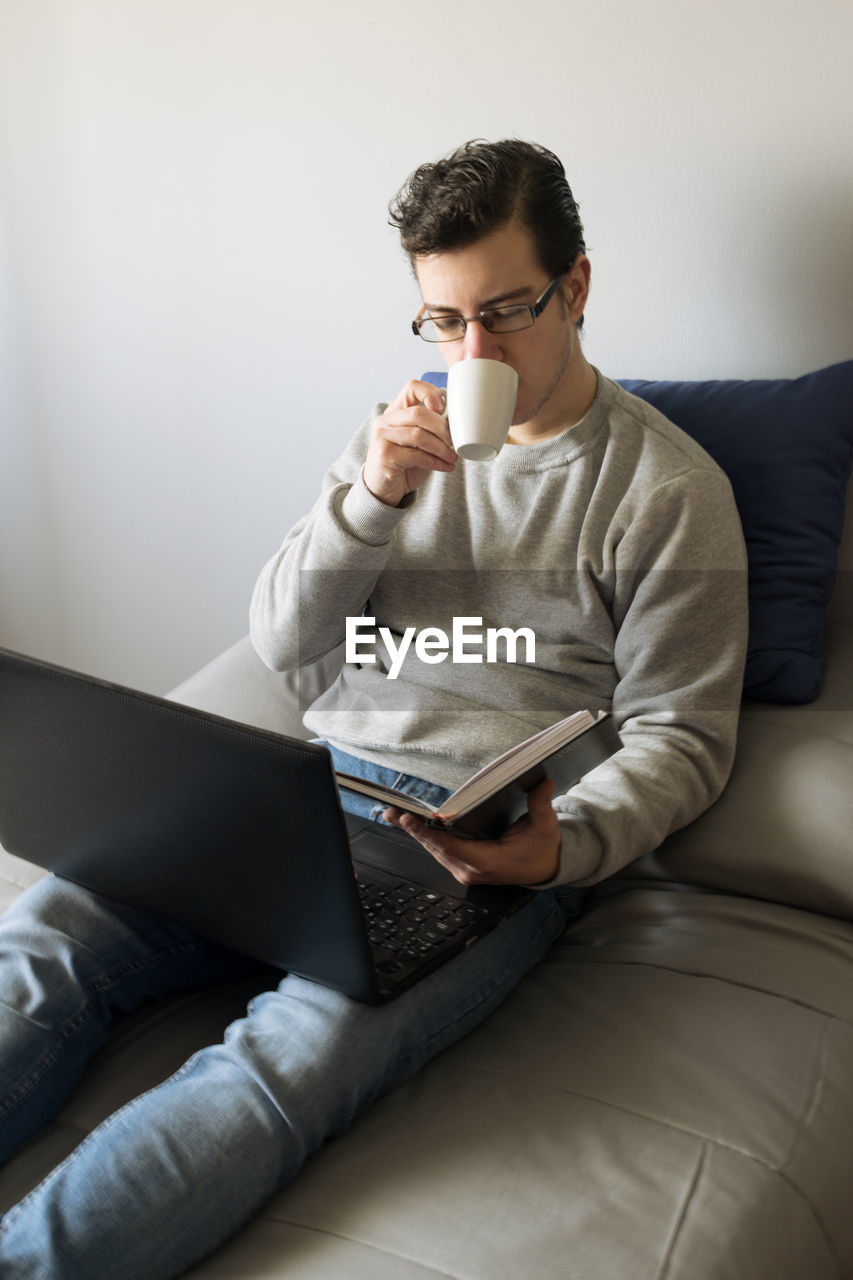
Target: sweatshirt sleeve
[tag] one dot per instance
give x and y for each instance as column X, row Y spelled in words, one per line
column 680, row 613
column 326, row 567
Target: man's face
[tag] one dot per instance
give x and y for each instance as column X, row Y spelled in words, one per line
column 499, row 269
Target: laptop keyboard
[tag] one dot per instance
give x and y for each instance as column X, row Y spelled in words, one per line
column 410, row 922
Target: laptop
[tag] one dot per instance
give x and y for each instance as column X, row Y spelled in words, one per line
column 232, row 831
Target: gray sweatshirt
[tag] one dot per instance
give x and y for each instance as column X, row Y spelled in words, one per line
column 616, row 544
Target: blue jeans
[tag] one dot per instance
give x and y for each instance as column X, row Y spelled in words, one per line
column 167, row 1178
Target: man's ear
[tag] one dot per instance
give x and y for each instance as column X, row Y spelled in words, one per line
column 576, row 285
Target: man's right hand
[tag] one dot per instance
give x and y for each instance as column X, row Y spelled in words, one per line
column 410, row 439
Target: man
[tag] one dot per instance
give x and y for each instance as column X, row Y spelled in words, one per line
column 602, row 528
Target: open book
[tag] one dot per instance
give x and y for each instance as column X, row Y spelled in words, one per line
column 491, row 799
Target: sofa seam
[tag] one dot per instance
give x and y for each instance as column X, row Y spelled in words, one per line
column 628, row 1110
column 364, row 1244
column 665, row 1269
column 803, row 1121
column 729, row 982
column 798, row 732
column 811, row 1103
column 706, row 1140
column 666, row 1261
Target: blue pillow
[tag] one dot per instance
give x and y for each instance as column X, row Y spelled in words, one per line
column 786, row 445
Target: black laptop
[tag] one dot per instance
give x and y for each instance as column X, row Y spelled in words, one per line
column 229, row 830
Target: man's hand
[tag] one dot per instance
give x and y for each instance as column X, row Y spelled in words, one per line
column 528, row 853
column 410, row 439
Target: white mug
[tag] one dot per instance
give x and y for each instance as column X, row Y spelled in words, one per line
column 481, row 397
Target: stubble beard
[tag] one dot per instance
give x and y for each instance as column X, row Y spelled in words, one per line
column 559, row 374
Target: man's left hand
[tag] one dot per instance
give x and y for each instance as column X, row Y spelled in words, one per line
column 527, row 853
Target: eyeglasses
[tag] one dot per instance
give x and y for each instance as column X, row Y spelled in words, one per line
column 496, row 320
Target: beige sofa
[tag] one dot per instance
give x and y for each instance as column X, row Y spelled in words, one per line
column 668, row 1095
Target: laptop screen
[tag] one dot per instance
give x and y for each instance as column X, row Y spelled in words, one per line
column 232, row 831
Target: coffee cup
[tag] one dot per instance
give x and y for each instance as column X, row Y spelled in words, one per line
column 481, row 397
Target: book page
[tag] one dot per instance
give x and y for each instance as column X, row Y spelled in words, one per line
column 489, row 780
column 384, row 795
column 495, row 775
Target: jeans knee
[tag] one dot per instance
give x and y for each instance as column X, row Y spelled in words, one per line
column 49, row 903
column 300, row 1019
column 313, row 1051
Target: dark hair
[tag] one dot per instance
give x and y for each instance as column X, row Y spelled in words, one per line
column 478, row 189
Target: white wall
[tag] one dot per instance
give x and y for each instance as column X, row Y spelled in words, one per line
column 201, row 297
